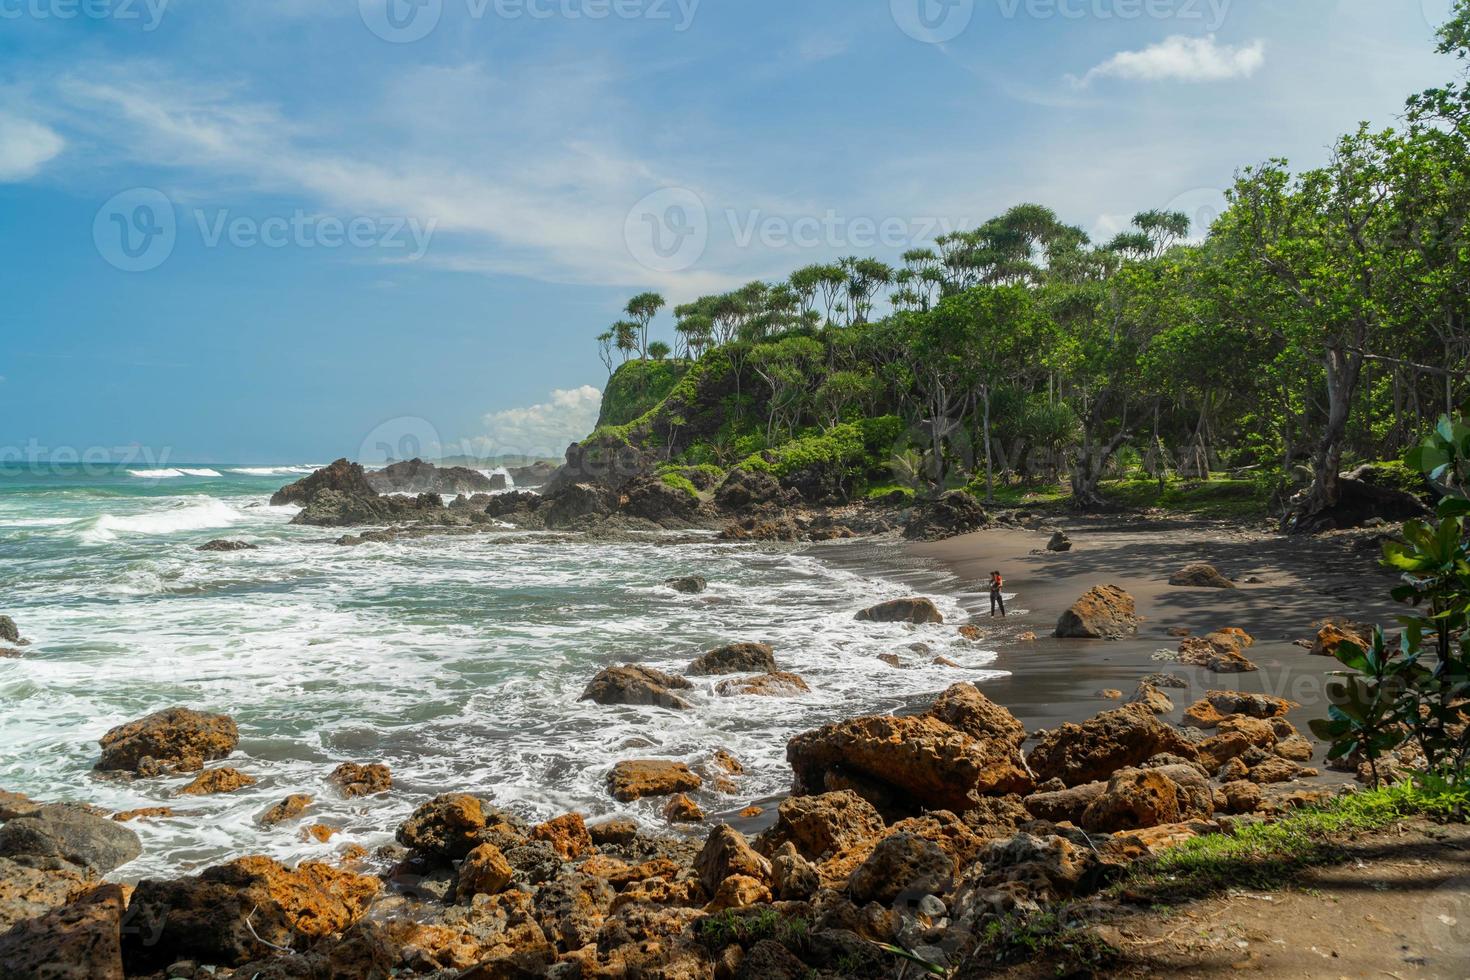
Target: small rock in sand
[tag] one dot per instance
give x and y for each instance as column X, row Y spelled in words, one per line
column 1200, row 576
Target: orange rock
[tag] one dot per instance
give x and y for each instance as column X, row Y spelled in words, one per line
column 681, row 809
column 738, row 892
column 971, row 632
column 320, row 832
column 1333, row 635
column 1104, row 612
column 354, row 780
column 145, row 813
column 728, row 762
column 567, row 835
column 485, row 871
column 640, row 778
column 946, row 662
column 222, row 780
column 751, row 812
column 178, row 740
column 289, row 808
column 1027, row 637
column 1134, row 798
column 780, row 684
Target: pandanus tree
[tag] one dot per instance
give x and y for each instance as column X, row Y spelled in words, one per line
column 641, row 309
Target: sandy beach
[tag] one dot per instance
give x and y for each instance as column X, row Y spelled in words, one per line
column 1285, row 584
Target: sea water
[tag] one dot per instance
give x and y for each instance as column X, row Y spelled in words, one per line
column 456, row 660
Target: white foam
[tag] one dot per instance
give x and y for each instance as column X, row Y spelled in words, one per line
column 165, row 474
column 273, row 470
column 203, row 512
column 209, row 473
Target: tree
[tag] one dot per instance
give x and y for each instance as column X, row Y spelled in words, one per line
column 658, row 350
column 605, row 342
column 625, row 337
column 642, row 309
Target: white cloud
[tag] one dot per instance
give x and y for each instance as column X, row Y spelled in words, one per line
column 1183, row 59
column 545, row 429
column 25, row 147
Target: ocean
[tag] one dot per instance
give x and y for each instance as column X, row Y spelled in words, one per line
column 456, row 660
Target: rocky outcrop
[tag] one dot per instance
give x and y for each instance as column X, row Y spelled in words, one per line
column 688, row 584
column 736, row 658
column 634, row 684
column 640, row 778
column 778, row 684
column 227, row 546
column 1100, row 746
column 746, row 490
column 445, row 828
column 918, row 611
column 240, row 911
column 654, row 500
column 534, row 475
column 821, row 826
column 82, row 939
column 952, row 514
column 220, row 780
column 417, row 476
column 340, row 495
column 577, row 504
column 353, row 779
column 9, row 632
column 902, row 865
column 342, row 477
column 1103, row 613
column 172, row 740
column 1200, row 576
column 71, row 835
column 1221, row 652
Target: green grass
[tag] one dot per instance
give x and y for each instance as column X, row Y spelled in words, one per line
column 1217, row 497
column 636, row 388
column 679, row 482
column 748, row 928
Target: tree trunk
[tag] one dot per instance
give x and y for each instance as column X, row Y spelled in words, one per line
column 989, row 456
column 1311, row 514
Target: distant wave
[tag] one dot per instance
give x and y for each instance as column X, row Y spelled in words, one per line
column 169, row 474
column 273, row 470
column 205, row 512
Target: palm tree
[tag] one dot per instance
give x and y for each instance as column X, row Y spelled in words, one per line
column 626, row 338
column 643, row 308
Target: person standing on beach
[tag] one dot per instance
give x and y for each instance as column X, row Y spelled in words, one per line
column 997, row 595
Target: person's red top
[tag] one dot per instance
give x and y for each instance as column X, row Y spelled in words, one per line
column 996, row 581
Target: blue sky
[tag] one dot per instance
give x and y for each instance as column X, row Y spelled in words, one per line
column 288, row 230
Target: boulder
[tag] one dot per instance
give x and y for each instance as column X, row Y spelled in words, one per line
column 953, row 513
column 916, row 761
column 484, row 871
column 1242, row 796
column 1221, row 652
column 793, row 877
column 567, row 835
column 417, row 476
column 1059, row 542
column 62, row 832
column 1064, row 805
column 353, row 779
column 534, row 475
column 1152, row 698
column 654, row 500
column 27, row 892
column 738, row 892
column 341, row 477
column 726, row 853
column 639, row 778
column 1334, row 634
column 820, row 826
column 781, row 684
column 577, row 503
column 681, row 809
column 918, row 611
column 1200, row 576
column 902, row 866
column 1105, row 612
column 82, row 939
column 220, row 780
column 964, row 708
column 9, row 632
column 290, row 808
column 226, row 546
column 1133, row 799
column 520, row 502
column 446, row 828
column 1216, row 706
column 614, row 830
column 632, row 684
column 176, row 739
column 750, row 490
column 688, row 584
column 1049, row 868
column 241, row 911
column 737, row 658
column 1100, row 746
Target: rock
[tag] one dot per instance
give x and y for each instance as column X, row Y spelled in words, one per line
column 689, row 584
column 921, row 761
column 484, row 871
column 227, row 915
column 738, row 892
column 144, row 813
column 1134, row 798
column 1221, row 651
column 746, row 489
column 290, row 808
column 1242, row 796
column 640, row 778
column 517, row 502
column 892, row 660
column 1097, row 748
column 613, row 831
column 778, row 685
column 901, row 865
column 14, row 805
column 964, row 708
column 654, row 500
column 821, row 826
column 447, row 827
column 681, row 809
column 632, row 684
column 1059, row 542
column 1152, row 698
column 1215, row 706
column 954, row 513
column 567, row 835
column 534, row 475
column 1110, row 694
column 221, row 780
column 728, row 763
column 726, row 853
column 1064, row 805
column 1333, row 635
column 918, row 611
column 342, row 477
column 737, row 658
column 82, row 940
column 418, row 476
column 177, row 739
column 27, row 892
column 226, row 546
column 69, row 833
column 1295, row 748
column 577, row 503
column 319, row 832
column 1051, row 868
column 9, row 632
column 1103, row 613
column 758, row 529
column 793, row 877
column 1200, row 576
column 1167, row 680
column 1278, row 770
column 353, row 780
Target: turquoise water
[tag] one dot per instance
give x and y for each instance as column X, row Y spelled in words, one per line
column 457, row 661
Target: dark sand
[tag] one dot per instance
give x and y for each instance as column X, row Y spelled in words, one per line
column 1285, row 585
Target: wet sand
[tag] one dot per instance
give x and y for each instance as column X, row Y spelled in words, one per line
column 1285, row 585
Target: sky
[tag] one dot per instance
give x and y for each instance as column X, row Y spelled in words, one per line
column 292, row 230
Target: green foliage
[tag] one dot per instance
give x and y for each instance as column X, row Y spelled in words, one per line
column 745, row 928
column 679, row 482
column 1215, row 498
column 1053, row 936
column 636, row 388
column 840, row 448
column 1415, row 691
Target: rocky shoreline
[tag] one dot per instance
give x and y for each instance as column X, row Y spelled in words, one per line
column 905, row 835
